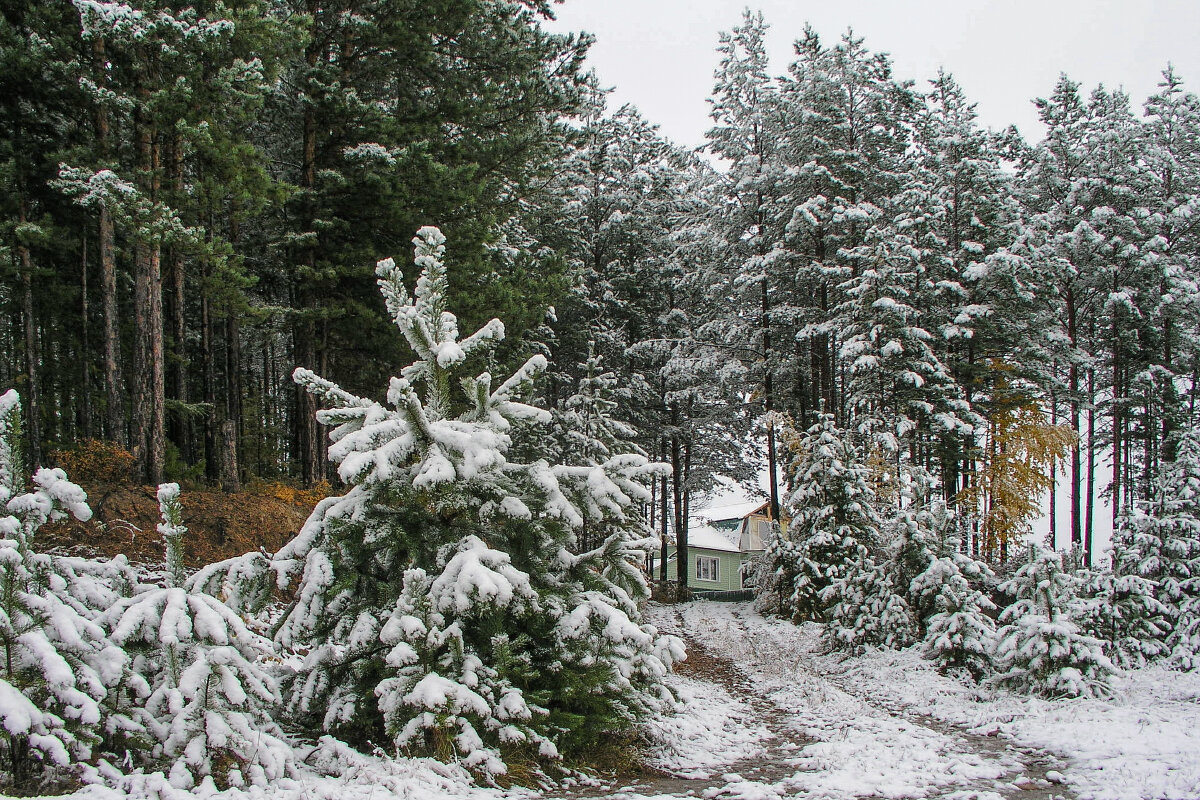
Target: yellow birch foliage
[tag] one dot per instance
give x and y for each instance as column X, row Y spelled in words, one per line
column 1021, row 455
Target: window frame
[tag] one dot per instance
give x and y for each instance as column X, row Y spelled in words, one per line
column 716, row 568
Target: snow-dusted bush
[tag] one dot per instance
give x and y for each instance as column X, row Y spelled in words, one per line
column 440, row 598
column 195, row 686
column 57, row 664
column 1039, row 648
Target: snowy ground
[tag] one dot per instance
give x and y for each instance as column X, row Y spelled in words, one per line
column 765, row 714
column 887, row 725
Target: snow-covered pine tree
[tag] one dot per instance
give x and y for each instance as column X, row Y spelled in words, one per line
column 199, row 690
column 1118, row 606
column 1040, row 648
column 57, row 662
column 959, row 633
column 898, row 388
column 439, row 597
column 1167, row 542
column 590, row 434
column 834, row 524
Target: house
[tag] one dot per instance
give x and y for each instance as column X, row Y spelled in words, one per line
column 722, row 545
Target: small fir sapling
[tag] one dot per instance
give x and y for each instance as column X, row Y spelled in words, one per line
column 1039, row 648
column 202, row 695
column 444, row 599
column 944, row 588
column 866, row 610
column 57, row 663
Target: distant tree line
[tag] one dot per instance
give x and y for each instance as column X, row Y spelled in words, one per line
column 195, row 199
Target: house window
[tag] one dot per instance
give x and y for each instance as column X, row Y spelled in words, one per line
column 708, row 569
column 747, row 573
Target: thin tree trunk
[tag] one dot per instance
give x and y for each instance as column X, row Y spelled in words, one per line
column 663, row 517
column 1089, row 516
column 115, row 426
column 1052, row 536
column 1117, row 425
column 304, row 350
column 85, row 361
column 212, row 471
column 681, row 532
column 1076, row 466
column 32, row 399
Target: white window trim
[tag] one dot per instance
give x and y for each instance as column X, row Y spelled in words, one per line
column 716, row 569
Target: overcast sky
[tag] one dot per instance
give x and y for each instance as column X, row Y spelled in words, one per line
column 660, row 54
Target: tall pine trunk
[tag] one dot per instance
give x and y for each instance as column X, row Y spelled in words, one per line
column 148, row 386
column 32, row 398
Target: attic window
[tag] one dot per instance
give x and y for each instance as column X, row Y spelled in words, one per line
column 708, row 569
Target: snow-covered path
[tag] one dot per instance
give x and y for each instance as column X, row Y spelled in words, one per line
column 886, row 724
column 837, row 743
column 763, row 720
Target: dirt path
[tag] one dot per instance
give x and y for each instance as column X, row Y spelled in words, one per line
column 1028, row 768
column 824, row 737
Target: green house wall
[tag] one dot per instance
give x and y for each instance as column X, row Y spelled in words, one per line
column 729, row 573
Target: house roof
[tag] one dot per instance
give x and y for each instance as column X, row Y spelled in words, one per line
column 736, row 511
column 709, row 538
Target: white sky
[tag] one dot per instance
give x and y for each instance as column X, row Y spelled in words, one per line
column 660, row 54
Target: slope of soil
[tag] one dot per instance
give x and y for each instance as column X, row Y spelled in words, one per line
column 220, row 524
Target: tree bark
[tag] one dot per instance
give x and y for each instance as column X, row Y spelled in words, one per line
column 85, row 361
column 149, row 389
column 1076, row 466
column 115, row 428
column 230, row 481
column 179, row 362
column 32, row 399
column 681, row 532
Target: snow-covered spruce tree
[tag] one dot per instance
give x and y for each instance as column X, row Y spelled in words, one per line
column 201, row 695
column 959, row 633
column 57, row 663
column 1039, row 648
column 439, row 598
column 865, row 608
column 834, row 525
column 1118, row 607
column 1167, row 544
column 944, row 588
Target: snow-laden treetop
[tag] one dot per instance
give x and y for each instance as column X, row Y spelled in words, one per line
column 449, row 448
column 431, row 439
